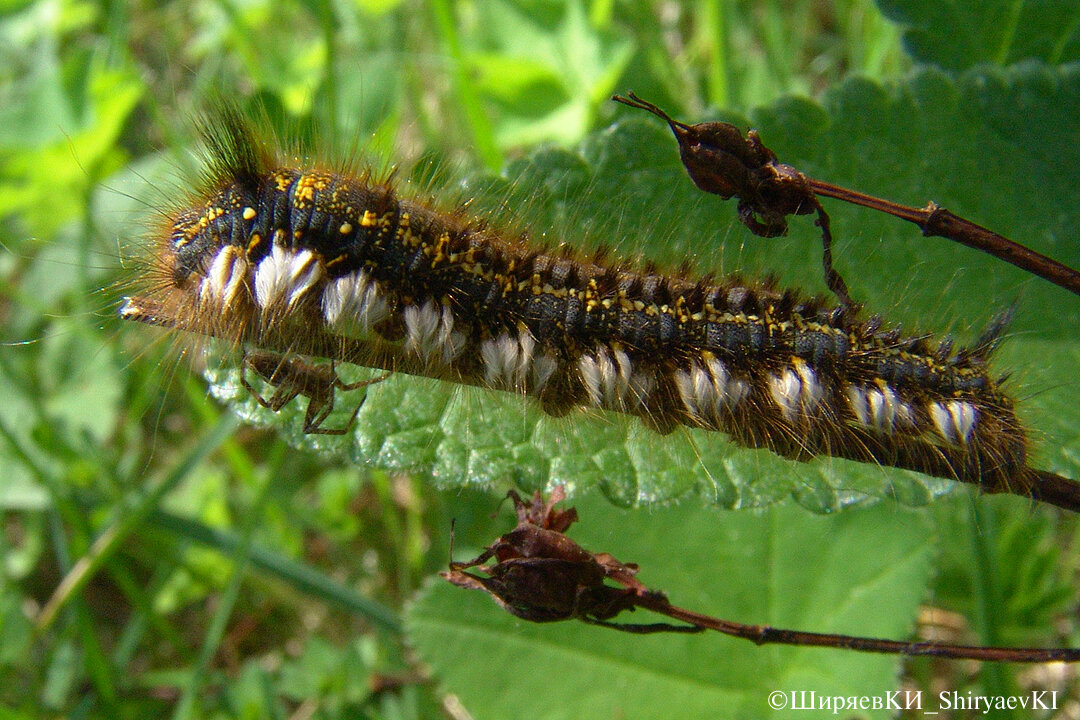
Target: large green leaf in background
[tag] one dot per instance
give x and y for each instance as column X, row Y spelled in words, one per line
column 863, row 571
column 957, row 35
column 995, row 145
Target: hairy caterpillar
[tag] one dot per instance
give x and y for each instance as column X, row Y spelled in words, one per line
column 339, row 266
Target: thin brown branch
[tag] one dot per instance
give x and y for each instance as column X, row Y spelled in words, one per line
column 763, row 635
column 936, row 221
column 541, row 575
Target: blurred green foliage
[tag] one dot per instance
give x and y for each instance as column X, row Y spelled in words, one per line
column 155, row 558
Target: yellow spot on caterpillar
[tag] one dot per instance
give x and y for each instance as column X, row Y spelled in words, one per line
column 346, row 228
column 282, row 182
column 210, row 216
column 253, row 243
column 368, row 220
column 439, row 253
column 249, row 213
column 338, row 259
column 406, row 236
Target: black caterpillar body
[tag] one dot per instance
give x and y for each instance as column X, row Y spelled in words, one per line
column 338, row 265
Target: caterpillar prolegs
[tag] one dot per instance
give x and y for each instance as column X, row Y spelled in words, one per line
column 338, row 265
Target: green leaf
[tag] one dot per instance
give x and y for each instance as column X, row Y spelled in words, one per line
column 279, row 47
column 784, row 568
column 962, row 33
column 563, row 59
column 16, row 631
column 995, row 146
column 83, row 393
column 38, row 180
